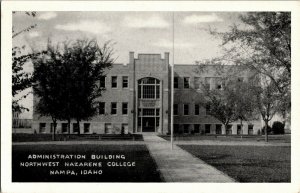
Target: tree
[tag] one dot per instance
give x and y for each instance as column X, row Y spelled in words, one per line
column 21, row 80
column 262, row 42
column 67, row 79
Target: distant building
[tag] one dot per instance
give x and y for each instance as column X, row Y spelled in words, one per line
column 138, row 99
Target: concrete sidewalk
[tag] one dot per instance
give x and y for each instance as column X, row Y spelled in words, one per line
column 178, row 165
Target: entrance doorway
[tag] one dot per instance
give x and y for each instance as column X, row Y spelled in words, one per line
column 149, row 124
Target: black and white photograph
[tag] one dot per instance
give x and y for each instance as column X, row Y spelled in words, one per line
column 150, row 96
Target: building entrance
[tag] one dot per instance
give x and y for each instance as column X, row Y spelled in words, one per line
column 149, row 124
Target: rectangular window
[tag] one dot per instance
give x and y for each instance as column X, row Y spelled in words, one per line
column 229, row 130
column 42, row 127
column 197, row 128
column 64, row 127
column 197, row 82
column 186, row 128
column 186, row 109
column 176, row 128
column 176, row 82
column 101, row 108
column 108, row 128
column 207, row 128
column 250, row 129
column 52, row 127
column 197, row 109
column 207, row 81
column 124, row 129
column 175, row 109
column 239, row 130
column 125, row 82
column 113, row 108
column 114, row 82
column 75, row 128
column 102, row 82
column 207, row 109
column 219, row 83
column 86, row 127
column 186, row 82
column 124, row 108
column 219, row 129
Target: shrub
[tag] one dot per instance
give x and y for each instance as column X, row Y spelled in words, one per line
column 278, row 127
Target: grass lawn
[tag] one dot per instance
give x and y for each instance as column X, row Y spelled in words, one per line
column 247, row 163
column 144, row 170
column 272, row 138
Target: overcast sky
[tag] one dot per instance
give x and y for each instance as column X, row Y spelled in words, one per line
column 141, row 32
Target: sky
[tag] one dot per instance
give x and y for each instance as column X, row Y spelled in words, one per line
column 140, row 32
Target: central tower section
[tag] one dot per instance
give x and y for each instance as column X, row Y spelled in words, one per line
column 150, row 92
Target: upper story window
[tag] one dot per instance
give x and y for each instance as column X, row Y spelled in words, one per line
column 125, row 82
column 186, row 82
column 219, row 83
column 149, row 88
column 124, row 108
column 197, row 109
column 114, row 82
column 113, row 108
column 207, row 82
column 175, row 109
column 176, row 82
column 186, row 109
column 197, row 82
column 101, row 108
column 102, row 82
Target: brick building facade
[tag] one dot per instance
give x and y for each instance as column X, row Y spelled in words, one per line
column 138, row 99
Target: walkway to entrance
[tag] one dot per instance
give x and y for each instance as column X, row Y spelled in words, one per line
column 178, row 165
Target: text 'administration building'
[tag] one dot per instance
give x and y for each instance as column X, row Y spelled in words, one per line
column 138, row 99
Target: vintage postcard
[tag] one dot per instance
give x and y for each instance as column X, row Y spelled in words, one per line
column 149, row 96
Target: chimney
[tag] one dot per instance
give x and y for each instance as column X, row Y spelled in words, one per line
column 131, row 57
column 167, row 58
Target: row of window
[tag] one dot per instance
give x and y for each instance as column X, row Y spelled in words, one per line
column 187, row 128
column 210, row 82
column 113, row 108
column 186, row 109
column 64, row 127
column 114, row 82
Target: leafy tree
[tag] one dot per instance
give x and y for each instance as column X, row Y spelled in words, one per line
column 21, row 80
column 67, row 79
column 262, row 42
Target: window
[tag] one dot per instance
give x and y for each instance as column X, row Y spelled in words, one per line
column 176, row 128
column 207, row 109
column 124, row 129
column 75, row 128
column 42, row 127
column 175, row 109
column 149, row 88
column 207, row 81
column 196, row 128
column 186, row 109
column 207, row 128
column 219, row 129
column 186, row 128
column 124, row 108
column 197, row 109
column 250, row 129
column 52, row 127
column 197, row 82
column 239, row 130
column 219, row 83
column 229, row 130
column 114, row 83
column 176, row 82
column 108, row 128
column 186, row 82
column 101, row 108
column 113, row 108
column 125, row 82
column 86, row 127
column 64, row 127
column 102, row 82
